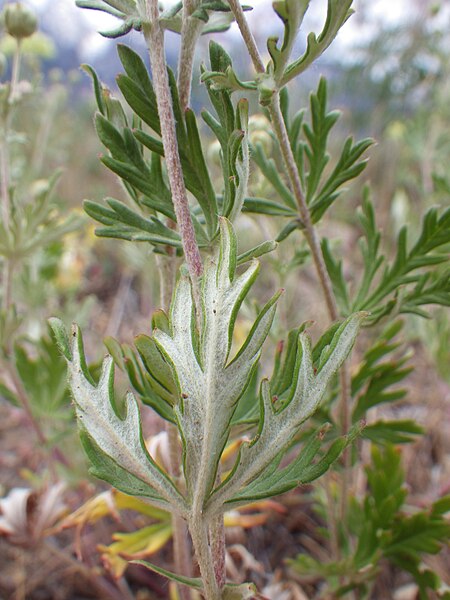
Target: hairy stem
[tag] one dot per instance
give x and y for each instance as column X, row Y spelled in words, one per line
column 4, row 175
column 190, row 32
column 247, row 35
column 199, row 534
column 154, row 36
column 218, row 549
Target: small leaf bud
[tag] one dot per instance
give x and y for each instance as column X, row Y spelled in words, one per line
column 20, row 21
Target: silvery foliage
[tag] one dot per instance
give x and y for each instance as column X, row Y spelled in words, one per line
column 210, row 384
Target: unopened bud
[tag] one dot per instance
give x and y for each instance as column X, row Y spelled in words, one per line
column 20, row 21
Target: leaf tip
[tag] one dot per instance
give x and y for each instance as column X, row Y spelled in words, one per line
column 61, row 337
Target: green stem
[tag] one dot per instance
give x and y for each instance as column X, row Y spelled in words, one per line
column 15, row 71
column 344, row 408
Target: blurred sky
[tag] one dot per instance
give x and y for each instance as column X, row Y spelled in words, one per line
column 67, row 18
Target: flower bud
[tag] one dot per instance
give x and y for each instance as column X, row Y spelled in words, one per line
column 20, row 21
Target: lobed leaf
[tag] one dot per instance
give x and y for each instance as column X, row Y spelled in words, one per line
column 337, row 14
column 209, row 383
column 113, row 441
column 278, row 426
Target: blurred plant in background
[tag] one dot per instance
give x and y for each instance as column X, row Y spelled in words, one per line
column 31, row 233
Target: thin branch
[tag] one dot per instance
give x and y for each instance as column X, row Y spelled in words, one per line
column 247, row 35
column 190, row 32
column 310, row 233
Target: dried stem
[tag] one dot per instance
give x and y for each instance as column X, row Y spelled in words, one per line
column 106, row 588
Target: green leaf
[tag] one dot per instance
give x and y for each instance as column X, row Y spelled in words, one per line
column 386, row 480
column 9, row 395
column 267, row 207
column 42, row 373
column 144, row 182
column 272, row 174
column 300, row 471
column 242, row 591
column 291, row 12
column 150, row 391
column 335, row 271
column 119, row 438
column 209, row 383
column 105, row 468
column 278, row 426
column 392, row 432
column 126, row 27
column 337, row 14
column 98, row 90
column 62, row 339
column 123, row 223
column 418, row 534
column 101, row 6
column 407, row 268
column 231, row 131
column 158, row 369
column 207, row 197
column 137, row 87
column 257, row 251
column 285, row 358
column 192, row 582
